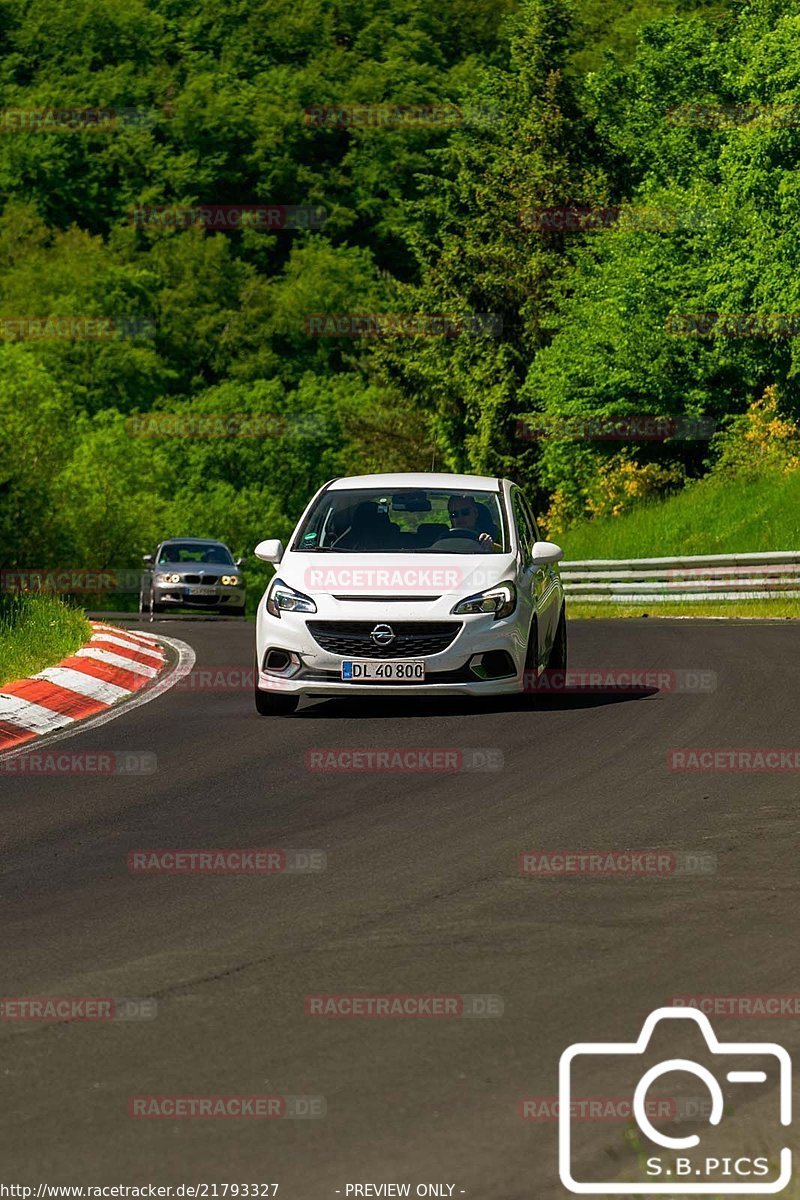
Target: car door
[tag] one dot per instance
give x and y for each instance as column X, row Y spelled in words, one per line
column 530, row 579
column 550, row 597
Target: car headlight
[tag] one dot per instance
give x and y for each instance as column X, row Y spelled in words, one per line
column 283, row 598
column 164, row 579
column 229, row 580
column 500, row 600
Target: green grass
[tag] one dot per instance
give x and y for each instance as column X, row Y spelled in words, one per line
column 709, row 517
column 35, row 632
column 763, row 609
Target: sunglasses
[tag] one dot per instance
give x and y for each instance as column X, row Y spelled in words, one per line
column 459, row 512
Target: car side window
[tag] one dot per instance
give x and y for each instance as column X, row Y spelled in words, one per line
column 537, row 537
column 524, row 531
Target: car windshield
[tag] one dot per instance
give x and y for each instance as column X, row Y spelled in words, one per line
column 186, row 552
column 418, row 521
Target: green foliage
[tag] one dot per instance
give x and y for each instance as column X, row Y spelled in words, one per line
column 36, row 631
column 561, row 104
column 35, row 436
column 710, row 516
column 475, row 253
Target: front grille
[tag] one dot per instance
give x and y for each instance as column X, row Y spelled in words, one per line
column 413, row 639
column 200, row 578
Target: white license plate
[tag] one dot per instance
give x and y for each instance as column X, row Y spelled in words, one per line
column 412, row 669
column 202, row 591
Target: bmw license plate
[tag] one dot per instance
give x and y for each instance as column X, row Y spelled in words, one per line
column 202, row 591
column 412, row 669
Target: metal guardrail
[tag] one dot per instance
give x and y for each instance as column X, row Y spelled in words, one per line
column 759, row 576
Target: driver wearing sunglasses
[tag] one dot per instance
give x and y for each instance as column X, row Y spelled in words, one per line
column 463, row 513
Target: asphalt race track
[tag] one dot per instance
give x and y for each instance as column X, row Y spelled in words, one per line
column 421, row 894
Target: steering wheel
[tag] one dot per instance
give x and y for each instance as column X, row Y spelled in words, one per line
column 459, row 533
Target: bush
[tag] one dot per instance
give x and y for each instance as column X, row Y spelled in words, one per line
column 758, row 441
column 618, row 484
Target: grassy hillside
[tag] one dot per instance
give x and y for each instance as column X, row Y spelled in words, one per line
column 708, row 517
column 35, row 632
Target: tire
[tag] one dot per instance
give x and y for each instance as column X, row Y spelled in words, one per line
column 233, row 612
column 270, row 705
column 558, row 654
column 156, row 608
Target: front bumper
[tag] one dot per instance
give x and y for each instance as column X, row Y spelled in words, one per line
column 180, row 597
column 315, row 671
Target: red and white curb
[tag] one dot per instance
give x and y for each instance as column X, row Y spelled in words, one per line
column 112, row 666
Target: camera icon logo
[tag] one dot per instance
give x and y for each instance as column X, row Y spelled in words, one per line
column 671, row 1169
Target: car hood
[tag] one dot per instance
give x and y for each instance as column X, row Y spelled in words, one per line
column 397, row 575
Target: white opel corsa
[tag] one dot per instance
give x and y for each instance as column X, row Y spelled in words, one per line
column 425, row 584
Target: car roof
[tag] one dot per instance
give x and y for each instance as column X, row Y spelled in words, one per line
column 422, row 479
column 199, row 541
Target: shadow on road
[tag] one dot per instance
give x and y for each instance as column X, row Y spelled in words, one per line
column 384, row 707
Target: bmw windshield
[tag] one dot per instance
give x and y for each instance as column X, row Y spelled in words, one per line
column 183, row 552
column 423, row 521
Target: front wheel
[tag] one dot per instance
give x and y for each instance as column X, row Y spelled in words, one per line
column 270, row 705
column 558, row 653
column 233, row 612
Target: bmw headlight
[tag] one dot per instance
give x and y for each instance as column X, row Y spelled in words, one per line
column 282, row 598
column 500, row 600
column 229, row 580
column 165, row 579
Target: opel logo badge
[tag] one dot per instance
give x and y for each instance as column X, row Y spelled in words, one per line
column 382, row 635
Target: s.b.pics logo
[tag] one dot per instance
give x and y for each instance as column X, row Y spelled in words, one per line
column 747, row 1088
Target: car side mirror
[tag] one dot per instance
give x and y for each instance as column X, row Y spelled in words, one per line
column 545, row 553
column 148, row 558
column 270, row 551
column 239, row 562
